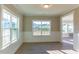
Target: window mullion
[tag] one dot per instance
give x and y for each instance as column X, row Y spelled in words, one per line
column 10, row 29
column 17, row 30
column 41, row 28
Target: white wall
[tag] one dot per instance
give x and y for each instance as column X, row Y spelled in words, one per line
column 54, row 37
column 55, row 29
column 76, row 29
column 13, row 47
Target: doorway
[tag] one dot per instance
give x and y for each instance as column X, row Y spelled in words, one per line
column 67, row 29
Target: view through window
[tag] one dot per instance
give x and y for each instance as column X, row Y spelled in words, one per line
column 41, row 28
column 9, row 26
column 67, row 28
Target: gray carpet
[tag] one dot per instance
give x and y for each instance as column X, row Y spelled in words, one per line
column 46, row 48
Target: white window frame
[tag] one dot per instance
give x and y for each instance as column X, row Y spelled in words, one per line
column 11, row 14
column 41, row 31
column 12, row 41
column 3, row 47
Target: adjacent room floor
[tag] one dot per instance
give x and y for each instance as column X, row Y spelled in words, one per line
column 46, row 48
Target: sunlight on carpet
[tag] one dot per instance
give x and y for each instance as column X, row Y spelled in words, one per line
column 62, row 52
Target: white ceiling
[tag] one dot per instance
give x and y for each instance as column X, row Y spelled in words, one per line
column 38, row 10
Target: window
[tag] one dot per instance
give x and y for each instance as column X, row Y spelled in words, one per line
column 14, row 28
column 45, row 27
column 70, row 28
column 5, row 28
column 41, row 28
column 67, row 23
column 9, row 26
column 67, row 28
